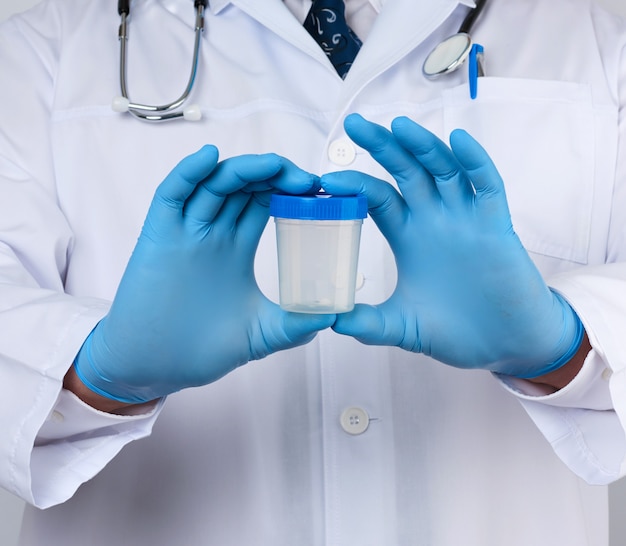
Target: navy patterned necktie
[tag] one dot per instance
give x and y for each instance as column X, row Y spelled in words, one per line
column 326, row 22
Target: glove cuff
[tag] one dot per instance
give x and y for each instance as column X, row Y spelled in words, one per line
column 579, row 334
column 88, row 373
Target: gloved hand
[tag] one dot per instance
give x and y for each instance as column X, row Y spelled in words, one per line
column 467, row 293
column 188, row 309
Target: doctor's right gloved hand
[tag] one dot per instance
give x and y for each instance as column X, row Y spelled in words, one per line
column 468, row 293
column 188, row 309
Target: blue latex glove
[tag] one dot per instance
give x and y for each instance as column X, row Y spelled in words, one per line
column 467, row 294
column 188, row 309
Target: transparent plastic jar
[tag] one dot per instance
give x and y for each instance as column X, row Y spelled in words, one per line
column 318, row 238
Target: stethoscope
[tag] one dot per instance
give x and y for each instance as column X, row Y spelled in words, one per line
column 445, row 58
column 454, row 50
column 173, row 109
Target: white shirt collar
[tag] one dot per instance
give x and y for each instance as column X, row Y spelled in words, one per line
column 218, row 5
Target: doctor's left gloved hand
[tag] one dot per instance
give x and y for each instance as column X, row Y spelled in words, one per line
column 188, row 309
column 468, row 293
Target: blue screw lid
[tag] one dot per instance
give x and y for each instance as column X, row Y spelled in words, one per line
column 320, row 206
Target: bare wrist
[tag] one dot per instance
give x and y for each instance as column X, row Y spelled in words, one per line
column 565, row 374
column 72, row 383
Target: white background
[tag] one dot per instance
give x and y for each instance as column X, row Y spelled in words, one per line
column 11, row 508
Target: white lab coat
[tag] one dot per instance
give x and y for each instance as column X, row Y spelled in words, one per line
column 450, row 457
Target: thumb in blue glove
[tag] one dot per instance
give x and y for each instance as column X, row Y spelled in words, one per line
column 188, row 310
column 467, row 293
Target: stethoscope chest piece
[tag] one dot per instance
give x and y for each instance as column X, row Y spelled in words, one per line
column 448, row 55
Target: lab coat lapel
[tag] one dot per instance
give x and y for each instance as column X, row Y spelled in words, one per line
column 400, row 27
column 274, row 15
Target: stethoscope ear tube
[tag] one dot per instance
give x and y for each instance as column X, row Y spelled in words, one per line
column 123, row 7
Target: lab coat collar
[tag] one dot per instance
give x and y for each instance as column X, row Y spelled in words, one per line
column 218, row 5
column 378, row 52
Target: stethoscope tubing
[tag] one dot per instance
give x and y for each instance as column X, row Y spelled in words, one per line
column 468, row 22
column 170, row 110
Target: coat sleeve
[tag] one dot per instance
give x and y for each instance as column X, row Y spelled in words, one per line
column 586, row 421
column 41, row 327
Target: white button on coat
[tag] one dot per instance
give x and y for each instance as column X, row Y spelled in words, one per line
column 342, row 152
column 354, row 421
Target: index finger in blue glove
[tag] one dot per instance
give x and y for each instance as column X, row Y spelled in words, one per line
column 259, row 173
column 292, row 179
column 385, row 205
column 171, row 195
column 413, row 180
column 452, row 182
column 245, row 173
column 231, row 175
column 289, row 179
